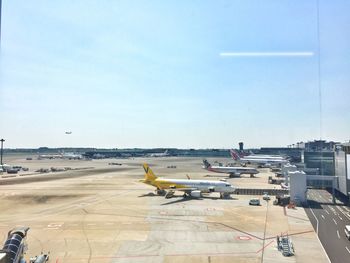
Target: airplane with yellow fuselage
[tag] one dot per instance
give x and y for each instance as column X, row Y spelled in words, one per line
column 193, row 188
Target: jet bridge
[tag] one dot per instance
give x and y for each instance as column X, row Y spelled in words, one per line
column 298, row 185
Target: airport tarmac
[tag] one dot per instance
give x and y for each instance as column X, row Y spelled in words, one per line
column 102, row 213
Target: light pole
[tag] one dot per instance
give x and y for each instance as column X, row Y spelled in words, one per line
column 0, row 21
column 2, row 143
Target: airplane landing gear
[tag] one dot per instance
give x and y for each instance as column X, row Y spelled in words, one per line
column 224, row 195
column 169, row 194
column 161, row 192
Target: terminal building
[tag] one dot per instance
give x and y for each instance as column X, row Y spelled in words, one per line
column 324, row 162
column 342, row 167
column 329, row 163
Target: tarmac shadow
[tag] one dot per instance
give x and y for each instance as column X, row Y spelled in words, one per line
column 148, row 194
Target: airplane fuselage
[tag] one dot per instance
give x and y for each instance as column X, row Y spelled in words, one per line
column 204, row 186
column 262, row 160
column 232, row 170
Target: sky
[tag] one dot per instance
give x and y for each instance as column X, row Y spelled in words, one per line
column 185, row 74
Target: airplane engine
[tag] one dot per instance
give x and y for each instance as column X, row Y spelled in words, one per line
column 211, row 189
column 196, row 194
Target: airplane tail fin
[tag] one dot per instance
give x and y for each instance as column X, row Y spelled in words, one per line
column 206, row 164
column 234, row 155
column 149, row 175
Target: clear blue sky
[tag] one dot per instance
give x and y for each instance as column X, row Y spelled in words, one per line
column 149, row 73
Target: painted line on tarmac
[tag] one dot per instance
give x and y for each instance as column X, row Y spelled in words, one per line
column 347, row 249
column 318, row 238
column 243, row 238
column 263, row 248
column 316, row 220
column 346, row 215
column 338, row 234
column 161, row 255
column 326, row 211
column 322, row 216
column 293, row 234
column 335, row 222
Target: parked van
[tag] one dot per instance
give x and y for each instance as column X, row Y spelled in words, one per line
column 254, row 201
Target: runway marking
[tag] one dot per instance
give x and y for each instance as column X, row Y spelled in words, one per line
column 158, row 255
column 322, row 216
column 326, row 211
column 244, row 238
column 342, row 210
column 265, row 246
column 54, row 226
column 347, row 249
column 338, row 234
column 340, row 218
column 335, row 222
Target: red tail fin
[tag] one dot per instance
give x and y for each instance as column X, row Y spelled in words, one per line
column 234, row 155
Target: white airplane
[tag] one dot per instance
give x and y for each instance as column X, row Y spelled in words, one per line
column 50, row 156
column 72, row 156
column 257, row 160
column 265, row 156
column 232, row 171
column 164, row 154
column 192, row 188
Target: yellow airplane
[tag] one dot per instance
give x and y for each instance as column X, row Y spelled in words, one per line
column 193, row 188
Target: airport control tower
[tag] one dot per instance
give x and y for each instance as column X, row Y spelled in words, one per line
column 241, row 146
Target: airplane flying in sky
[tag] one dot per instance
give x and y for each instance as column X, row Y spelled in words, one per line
column 193, row 188
column 257, row 160
column 232, row 171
